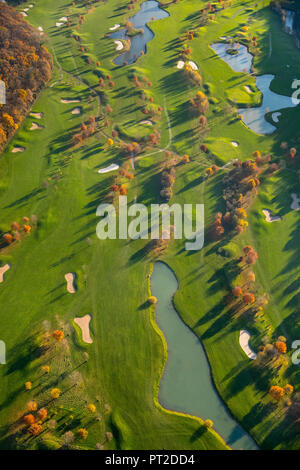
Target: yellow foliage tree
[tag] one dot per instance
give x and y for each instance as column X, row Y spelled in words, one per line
column 55, row 393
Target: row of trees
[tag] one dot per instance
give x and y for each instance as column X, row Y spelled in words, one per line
column 25, row 67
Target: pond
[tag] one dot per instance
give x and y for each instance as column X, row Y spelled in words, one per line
column 149, row 11
column 254, row 118
column 186, row 385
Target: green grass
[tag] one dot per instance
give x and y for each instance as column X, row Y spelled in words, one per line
column 126, row 359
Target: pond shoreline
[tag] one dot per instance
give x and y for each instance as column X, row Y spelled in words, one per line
column 222, row 406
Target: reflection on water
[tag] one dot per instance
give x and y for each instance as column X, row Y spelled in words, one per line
column 150, row 11
column 254, row 118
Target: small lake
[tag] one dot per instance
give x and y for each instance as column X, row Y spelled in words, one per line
column 186, row 385
column 254, row 118
column 149, row 11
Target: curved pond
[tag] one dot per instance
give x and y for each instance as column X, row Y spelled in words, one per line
column 254, row 118
column 150, row 11
column 186, row 385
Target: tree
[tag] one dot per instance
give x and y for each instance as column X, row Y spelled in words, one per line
column 288, row 389
column 237, row 291
column 8, row 238
column 58, row 335
column 29, row 419
column 82, row 433
column 209, row 171
column 15, row 226
column 55, row 393
column 251, row 277
column 248, row 298
column 281, row 347
column 92, row 408
column 67, row 438
column 45, row 369
column 32, row 406
column 27, row 228
column 28, row 385
column 42, row 414
column 35, row 429
column 276, row 392
column 208, row 423
column 123, row 190
column 152, row 300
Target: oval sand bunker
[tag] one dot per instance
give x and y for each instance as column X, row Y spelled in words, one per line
column 18, row 149
column 84, row 325
column 70, row 278
column 244, row 343
column 35, row 127
column 109, row 168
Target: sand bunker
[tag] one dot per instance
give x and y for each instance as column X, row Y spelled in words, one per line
column 37, row 115
column 247, row 88
column 111, row 167
column 235, row 144
column 26, row 9
column 63, row 18
column 276, row 116
column 3, row 271
column 193, row 65
column 84, row 325
column 18, row 149
column 180, row 64
column 24, row 13
column 76, row 111
column 35, row 126
column 148, row 123
column 58, row 24
column 70, row 278
column 114, row 27
column 119, row 45
column 40, row 28
column 69, row 101
column 269, row 217
column 244, row 343
column 295, row 204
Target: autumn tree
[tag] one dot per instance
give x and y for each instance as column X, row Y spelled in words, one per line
column 35, row 429
column 237, row 291
column 281, row 347
column 208, row 423
column 42, row 414
column 55, row 393
column 276, row 392
column 288, row 389
column 32, row 405
column 29, row 419
column 248, row 298
column 58, row 335
column 82, row 433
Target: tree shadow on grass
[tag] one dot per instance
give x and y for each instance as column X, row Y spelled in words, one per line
column 257, row 414
column 197, row 434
